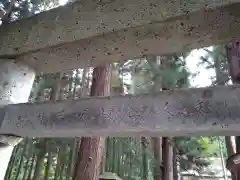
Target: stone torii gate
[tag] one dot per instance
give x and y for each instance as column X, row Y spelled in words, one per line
column 89, row 33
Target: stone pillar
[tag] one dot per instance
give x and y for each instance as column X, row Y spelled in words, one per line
column 16, row 82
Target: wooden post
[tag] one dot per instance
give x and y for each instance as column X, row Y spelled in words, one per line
column 233, row 56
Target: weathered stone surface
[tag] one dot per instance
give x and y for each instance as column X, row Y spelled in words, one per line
column 87, row 18
column 198, row 29
column 16, row 80
column 203, row 111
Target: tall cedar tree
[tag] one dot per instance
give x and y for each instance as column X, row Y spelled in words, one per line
column 91, row 148
column 233, row 56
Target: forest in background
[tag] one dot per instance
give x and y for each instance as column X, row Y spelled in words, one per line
column 132, row 158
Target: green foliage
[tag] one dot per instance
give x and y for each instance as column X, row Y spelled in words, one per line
column 25, row 8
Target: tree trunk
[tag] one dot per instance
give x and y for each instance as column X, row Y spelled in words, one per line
column 167, row 159
column 175, row 164
column 62, row 168
column 113, row 154
column 229, row 146
column 25, row 170
column 21, row 159
column 222, row 159
column 157, row 151
column 78, row 143
column 130, row 156
column 11, row 164
column 48, row 167
column 71, row 159
column 103, row 160
column 237, row 140
column 58, row 166
column 89, row 157
column 90, row 152
column 84, row 82
column 31, row 168
column 40, row 160
column 144, row 158
column 233, row 56
column 29, row 154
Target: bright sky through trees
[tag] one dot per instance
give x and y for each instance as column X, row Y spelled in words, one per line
column 203, row 77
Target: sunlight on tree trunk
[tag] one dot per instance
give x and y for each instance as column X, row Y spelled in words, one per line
column 40, row 160
column 31, row 167
column 49, row 164
column 58, row 165
column 21, row 159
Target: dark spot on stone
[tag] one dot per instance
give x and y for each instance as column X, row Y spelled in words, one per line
column 153, row 5
column 214, row 124
column 77, row 22
column 207, row 93
column 115, row 48
column 5, row 83
column 145, row 50
column 16, row 48
column 182, row 24
column 24, row 74
column 19, row 30
column 191, row 28
column 2, row 114
column 108, row 53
